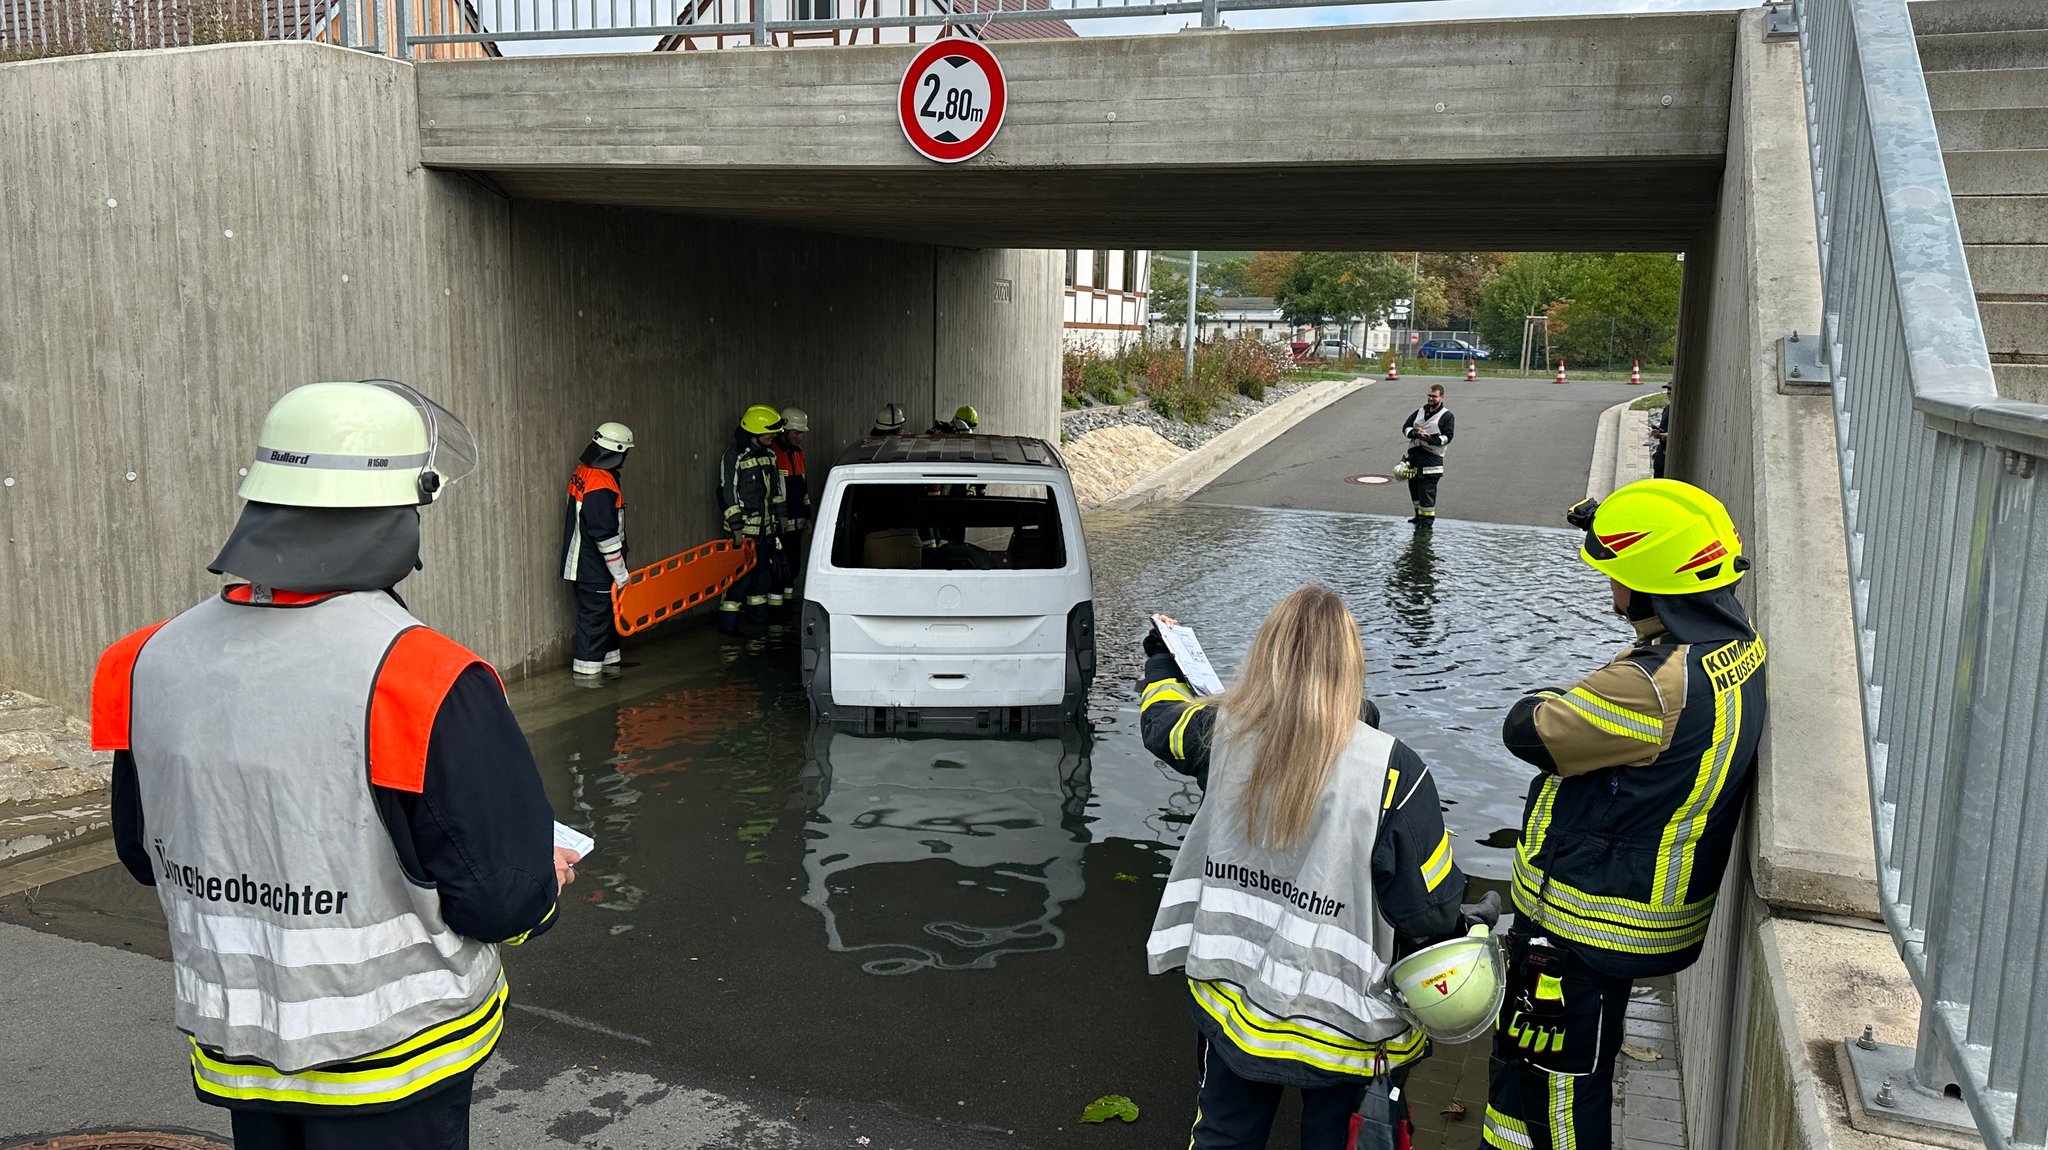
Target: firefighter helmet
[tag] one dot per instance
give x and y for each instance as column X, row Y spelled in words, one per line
column 377, row 443
column 795, row 419
column 889, row 420
column 761, row 419
column 966, row 418
column 1661, row 537
column 1452, row 991
column 614, row 437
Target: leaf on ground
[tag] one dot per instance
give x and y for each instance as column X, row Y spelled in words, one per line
column 1122, row 877
column 1640, row 1053
column 1455, row 1110
column 1110, row 1106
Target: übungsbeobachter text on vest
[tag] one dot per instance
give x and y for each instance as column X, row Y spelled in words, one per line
column 282, row 895
column 1251, row 878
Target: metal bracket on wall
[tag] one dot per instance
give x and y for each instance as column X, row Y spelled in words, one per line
column 1801, row 370
column 2021, row 464
column 1781, row 23
column 1877, row 1080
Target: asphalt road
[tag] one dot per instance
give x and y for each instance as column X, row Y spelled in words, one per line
column 1520, row 455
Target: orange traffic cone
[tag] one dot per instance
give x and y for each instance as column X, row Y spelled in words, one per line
column 1471, row 371
column 1393, row 368
column 1635, row 374
column 1560, row 373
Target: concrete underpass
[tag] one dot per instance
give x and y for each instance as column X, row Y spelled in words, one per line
column 544, row 243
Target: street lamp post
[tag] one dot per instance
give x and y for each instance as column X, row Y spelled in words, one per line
column 1194, row 263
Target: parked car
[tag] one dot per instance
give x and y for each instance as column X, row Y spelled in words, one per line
column 948, row 588
column 1338, row 349
column 1452, row 349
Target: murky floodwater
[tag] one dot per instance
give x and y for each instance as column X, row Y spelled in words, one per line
column 954, row 926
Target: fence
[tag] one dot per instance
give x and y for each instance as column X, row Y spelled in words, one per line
column 1948, row 556
column 35, row 28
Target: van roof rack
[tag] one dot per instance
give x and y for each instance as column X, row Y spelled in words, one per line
column 955, row 449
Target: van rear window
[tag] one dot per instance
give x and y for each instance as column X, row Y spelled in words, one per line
column 949, row 527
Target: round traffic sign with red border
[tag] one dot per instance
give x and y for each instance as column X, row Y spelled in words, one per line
column 951, row 100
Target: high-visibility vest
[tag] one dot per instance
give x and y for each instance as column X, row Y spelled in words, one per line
column 1287, row 950
column 584, row 480
column 1624, row 863
column 308, row 968
column 1426, row 424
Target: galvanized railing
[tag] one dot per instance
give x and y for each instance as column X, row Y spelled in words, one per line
column 37, row 28
column 1948, row 555
column 696, row 24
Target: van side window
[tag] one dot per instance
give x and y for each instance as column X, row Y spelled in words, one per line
column 934, row 526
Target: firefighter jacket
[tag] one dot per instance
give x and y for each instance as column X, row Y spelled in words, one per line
column 1647, row 764
column 594, row 528
column 268, row 747
column 796, row 486
column 1286, row 952
column 750, row 496
column 1433, row 433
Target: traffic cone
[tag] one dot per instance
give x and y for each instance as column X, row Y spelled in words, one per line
column 1471, row 371
column 1635, row 374
column 1560, row 373
column 1393, row 368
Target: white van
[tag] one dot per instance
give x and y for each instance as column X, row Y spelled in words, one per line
column 948, row 588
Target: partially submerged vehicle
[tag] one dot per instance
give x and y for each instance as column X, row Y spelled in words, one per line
column 948, row 588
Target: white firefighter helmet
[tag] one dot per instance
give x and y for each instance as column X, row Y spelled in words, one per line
column 377, row 443
column 1452, row 991
column 613, row 437
column 795, row 419
column 1404, row 470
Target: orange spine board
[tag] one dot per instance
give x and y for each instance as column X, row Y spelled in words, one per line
column 660, row 591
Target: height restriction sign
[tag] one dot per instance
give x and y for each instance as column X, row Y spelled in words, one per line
column 951, row 100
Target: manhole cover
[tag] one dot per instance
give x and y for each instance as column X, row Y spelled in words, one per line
column 118, row 1140
column 1369, row 480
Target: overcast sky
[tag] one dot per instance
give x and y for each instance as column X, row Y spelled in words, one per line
column 1408, row 11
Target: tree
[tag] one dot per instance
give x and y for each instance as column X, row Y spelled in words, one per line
column 1335, row 287
column 1268, row 270
column 1462, row 276
column 1169, row 298
column 1432, row 307
column 1623, row 306
column 1523, row 285
column 1231, row 277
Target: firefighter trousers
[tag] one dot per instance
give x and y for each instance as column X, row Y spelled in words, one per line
column 440, row 1121
column 1422, row 493
column 1236, row 1113
column 597, row 632
column 748, row 599
column 1551, row 1077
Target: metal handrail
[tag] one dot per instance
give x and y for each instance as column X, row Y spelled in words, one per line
column 37, row 28
column 1948, row 561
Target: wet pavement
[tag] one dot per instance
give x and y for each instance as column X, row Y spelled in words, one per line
column 950, row 931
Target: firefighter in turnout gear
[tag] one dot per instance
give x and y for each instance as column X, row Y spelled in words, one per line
column 1300, row 791
column 964, row 422
column 1429, row 429
column 338, row 812
column 796, row 495
column 888, row 421
column 594, row 547
column 1646, row 767
column 750, row 501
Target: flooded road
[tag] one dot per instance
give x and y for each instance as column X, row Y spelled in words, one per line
column 954, row 927
column 950, row 931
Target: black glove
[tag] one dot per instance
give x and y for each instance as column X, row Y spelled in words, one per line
column 1486, row 910
column 1580, row 515
column 1154, row 643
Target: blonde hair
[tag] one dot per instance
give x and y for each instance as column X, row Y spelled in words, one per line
column 1296, row 702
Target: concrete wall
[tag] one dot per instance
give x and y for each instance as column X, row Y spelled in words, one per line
column 163, row 287
column 1756, row 1013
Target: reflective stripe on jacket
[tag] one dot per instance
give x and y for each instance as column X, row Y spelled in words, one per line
column 1286, row 948
column 584, row 553
column 1650, row 761
column 1428, row 458
column 750, row 498
column 307, row 968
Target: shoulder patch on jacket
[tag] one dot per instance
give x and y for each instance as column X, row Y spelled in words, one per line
column 417, row 673
column 113, row 684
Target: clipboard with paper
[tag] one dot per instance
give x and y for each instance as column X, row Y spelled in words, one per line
column 1187, row 651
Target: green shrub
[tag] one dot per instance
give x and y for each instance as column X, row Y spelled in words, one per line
column 1105, row 381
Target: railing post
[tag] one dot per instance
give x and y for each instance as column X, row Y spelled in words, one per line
column 1209, row 17
column 758, row 36
column 401, row 46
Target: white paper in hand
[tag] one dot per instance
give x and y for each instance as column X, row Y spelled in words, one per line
column 1187, row 651
column 569, row 838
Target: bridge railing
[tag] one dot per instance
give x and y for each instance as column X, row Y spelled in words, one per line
column 1948, row 556
column 36, row 28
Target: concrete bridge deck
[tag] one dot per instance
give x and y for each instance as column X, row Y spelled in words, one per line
column 1603, row 132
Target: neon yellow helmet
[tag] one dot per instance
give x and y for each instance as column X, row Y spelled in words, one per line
column 377, row 443
column 1661, row 537
column 1452, row 991
column 761, row 419
column 966, row 419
